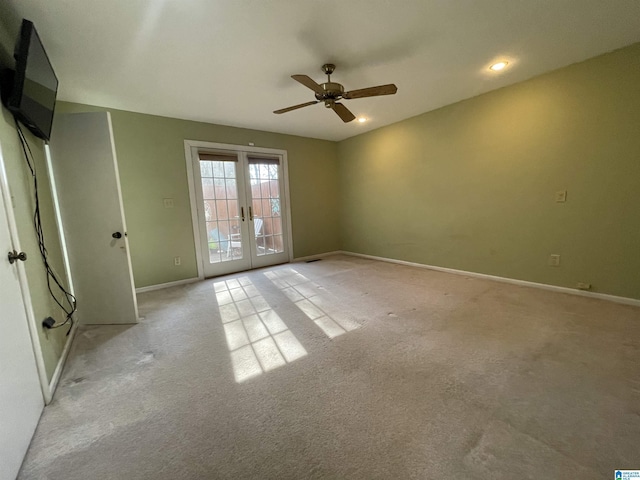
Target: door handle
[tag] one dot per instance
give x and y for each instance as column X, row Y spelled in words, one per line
column 250, row 214
column 242, row 213
column 116, row 235
column 15, row 256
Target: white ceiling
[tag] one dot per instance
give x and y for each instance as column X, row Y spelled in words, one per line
column 229, row 61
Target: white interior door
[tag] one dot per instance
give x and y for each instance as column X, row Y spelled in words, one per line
column 85, row 172
column 21, row 400
column 240, row 200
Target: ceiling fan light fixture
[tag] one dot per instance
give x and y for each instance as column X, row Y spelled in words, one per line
column 496, row 67
column 362, row 119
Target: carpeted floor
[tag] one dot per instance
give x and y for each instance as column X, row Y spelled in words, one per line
column 349, row 368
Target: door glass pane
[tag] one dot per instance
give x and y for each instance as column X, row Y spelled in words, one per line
column 221, row 209
column 265, row 200
column 205, row 169
column 232, row 191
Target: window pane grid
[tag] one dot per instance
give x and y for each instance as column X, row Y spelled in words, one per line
column 265, row 192
column 222, row 207
column 220, row 193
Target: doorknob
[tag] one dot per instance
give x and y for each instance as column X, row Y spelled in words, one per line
column 117, row 235
column 15, row 256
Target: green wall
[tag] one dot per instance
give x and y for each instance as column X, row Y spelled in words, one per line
column 21, row 189
column 151, row 160
column 471, row 186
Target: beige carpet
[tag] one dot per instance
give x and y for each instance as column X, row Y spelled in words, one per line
column 349, row 369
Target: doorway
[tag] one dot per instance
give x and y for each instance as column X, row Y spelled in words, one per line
column 239, row 207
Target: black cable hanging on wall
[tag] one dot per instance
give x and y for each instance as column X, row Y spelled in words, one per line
column 37, row 223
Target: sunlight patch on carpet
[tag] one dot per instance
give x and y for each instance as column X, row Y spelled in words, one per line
column 258, row 339
column 310, row 299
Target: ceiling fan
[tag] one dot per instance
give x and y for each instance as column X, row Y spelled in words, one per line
column 330, row 92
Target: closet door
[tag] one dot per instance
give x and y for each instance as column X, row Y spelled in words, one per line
column 85, row 172
column 21, row 401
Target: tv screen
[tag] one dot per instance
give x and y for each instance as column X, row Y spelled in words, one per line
column 35, row 85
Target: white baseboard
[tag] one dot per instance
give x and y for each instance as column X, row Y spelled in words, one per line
column 583, row 293
column 160, row 286
column 315, row 257
column 61, row 362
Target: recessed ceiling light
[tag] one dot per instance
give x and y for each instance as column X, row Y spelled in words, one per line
column 362, row 119
column 496, row 67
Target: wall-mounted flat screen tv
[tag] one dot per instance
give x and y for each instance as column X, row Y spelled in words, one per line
column 32, row 95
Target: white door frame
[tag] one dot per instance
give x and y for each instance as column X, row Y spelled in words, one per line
column 188, row 145
column 55, row 378
column 24, row 285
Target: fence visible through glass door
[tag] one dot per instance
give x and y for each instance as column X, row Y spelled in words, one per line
column 265, row 210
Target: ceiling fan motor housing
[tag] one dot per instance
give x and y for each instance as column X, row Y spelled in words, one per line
column 331, row 91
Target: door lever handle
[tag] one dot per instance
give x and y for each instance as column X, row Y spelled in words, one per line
column 250, row 214
column 242, row 213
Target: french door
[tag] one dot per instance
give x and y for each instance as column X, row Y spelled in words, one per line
column 241, row 216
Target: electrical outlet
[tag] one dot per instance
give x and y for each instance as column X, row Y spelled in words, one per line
column 583, row 286
column 561, row 196
column 554, row 260
column 167, row 202
column 177, row 261
column 48, row 323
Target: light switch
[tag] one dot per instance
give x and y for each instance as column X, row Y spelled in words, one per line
column 561, row 196
column 168, row 202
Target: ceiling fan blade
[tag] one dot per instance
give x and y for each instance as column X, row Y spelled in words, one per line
column 295, row 107
column 389, row 89
column 343, row 112
column 308, row 82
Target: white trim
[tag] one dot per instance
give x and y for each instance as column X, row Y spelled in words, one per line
column 286, row 201
column 524, row 283
column 318, row 255
column 56, row 210
column 67, row 269
column 194, row 208
column 160, row 286
column 61, row 362
column 24, row 285
column 122, row 216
